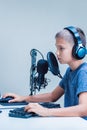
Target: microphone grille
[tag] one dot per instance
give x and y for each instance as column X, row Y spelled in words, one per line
column 42, row 66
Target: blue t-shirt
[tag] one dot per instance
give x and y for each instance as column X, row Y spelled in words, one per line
column 74, row 83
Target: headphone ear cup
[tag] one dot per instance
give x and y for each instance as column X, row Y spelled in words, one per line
column 79, row 52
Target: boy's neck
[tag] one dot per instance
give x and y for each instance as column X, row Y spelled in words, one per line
column 75, row 64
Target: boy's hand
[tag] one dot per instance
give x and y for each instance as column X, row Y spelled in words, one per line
column 37, row 108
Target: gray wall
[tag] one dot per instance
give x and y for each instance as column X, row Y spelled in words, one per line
column 27, row 24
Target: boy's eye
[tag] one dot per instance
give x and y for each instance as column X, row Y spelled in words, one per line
column 61, row 48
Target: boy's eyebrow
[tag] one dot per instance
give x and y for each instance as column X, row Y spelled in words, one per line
column 59, row 44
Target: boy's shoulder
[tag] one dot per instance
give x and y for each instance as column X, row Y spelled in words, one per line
column 82, row 70
column 83, row 66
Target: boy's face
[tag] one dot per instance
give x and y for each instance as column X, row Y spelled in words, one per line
column 64, row 51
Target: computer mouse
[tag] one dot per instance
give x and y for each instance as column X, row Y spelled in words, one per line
column 6, row 99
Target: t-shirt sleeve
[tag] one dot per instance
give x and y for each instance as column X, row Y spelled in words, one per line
column 82, row 82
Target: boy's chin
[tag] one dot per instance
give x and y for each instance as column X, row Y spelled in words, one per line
column 61, row 62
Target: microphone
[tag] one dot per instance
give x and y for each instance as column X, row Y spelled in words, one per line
column 33, row 54
column 53, row 64
column 42, row 69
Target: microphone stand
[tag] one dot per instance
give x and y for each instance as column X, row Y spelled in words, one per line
column 33, row 54
column 33, row 71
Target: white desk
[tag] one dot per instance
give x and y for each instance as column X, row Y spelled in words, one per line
column 40, row 123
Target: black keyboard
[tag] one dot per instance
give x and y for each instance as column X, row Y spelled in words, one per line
column 50, row 105
column 13, row 103
column 20, row 113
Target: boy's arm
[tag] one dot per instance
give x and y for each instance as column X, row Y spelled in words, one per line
column 46, row 97
column 78, row 110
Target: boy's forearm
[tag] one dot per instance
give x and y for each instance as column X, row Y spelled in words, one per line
column 38, row 98
column 74, row 111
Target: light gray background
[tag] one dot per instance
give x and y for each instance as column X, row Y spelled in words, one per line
column 27, row 24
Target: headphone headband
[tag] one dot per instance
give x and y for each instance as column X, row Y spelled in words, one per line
column 75, row 34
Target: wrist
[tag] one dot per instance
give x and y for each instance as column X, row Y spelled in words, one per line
column 25, row 98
